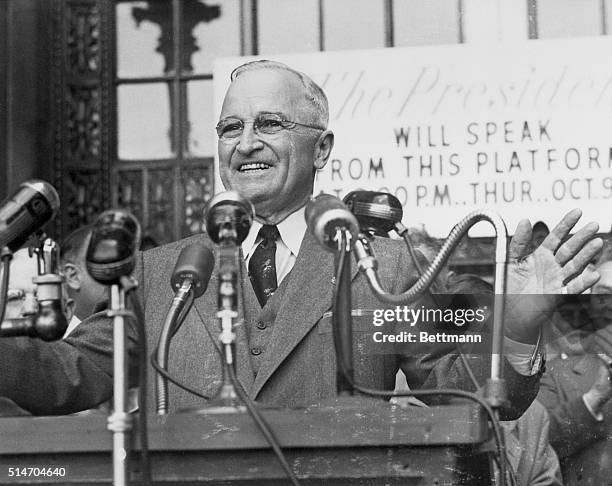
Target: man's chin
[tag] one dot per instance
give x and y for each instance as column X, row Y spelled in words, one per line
column 254, row 192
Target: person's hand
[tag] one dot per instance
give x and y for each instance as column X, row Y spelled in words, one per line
column 536, row 280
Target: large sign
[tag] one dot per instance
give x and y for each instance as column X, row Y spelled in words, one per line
column 524, row 129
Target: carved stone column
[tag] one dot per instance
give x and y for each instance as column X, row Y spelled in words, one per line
column 82, row 98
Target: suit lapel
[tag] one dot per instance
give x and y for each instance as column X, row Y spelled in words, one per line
column 307, row 296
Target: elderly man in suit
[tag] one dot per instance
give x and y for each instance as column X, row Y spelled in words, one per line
column 273, row 137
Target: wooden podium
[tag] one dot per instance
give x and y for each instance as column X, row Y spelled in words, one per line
column 355, row 443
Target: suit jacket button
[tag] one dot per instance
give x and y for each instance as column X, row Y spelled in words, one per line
column 261, row 325
column 256, row 351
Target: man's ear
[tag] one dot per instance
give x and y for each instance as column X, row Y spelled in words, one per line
column 323, row 149
column 73, row 276
column 69, row 306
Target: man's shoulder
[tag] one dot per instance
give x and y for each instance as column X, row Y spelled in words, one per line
column 388, row 245
column 175, row 247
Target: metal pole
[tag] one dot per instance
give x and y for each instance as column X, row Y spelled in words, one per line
column 120, row 421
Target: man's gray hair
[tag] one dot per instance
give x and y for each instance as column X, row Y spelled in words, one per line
column 314, row 93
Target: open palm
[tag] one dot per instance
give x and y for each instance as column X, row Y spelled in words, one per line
column 560, row 265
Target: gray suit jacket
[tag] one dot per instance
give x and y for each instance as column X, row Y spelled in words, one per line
column 296, row 365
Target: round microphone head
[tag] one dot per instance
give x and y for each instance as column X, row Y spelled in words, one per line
column 47, row 191
column 195, row 262
column 325, row 215
column 33, row 205
column 111, row 254
column 377, row 212
column 228, row 215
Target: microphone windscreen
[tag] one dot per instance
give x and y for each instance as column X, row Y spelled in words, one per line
column 195, row 262
column 33, row 205
column 325, row 214
column 377, row 212
column 226, row 212
column 115, row 239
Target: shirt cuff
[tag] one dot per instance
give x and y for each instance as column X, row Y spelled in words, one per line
column 526, row 359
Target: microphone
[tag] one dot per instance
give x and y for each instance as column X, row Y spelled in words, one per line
column 194, row 266
column 377, row 212
column 111, row 254
column 50, row 322
column 229, row 217
column 325, row 216
column 33, row 205
column 190, row 278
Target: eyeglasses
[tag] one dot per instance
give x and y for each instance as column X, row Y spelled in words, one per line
column 264, row 124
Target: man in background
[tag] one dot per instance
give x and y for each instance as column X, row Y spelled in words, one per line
column 577, row 392
column 21, row 303
column 88, row 295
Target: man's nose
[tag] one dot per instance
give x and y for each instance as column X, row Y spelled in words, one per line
column 249, row 140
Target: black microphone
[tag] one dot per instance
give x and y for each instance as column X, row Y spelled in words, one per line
column 325, row 216
column 190, row 278
column 115, row 239
column 195, row 263
column 377, row 212
column 229, row 217
column 33, row 205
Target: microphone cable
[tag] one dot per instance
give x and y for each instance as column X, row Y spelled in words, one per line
column 403, row 232
column 171, row 379
column 257, row 417
column 263, row 427
column 499, row 441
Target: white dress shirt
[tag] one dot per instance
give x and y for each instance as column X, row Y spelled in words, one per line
column 292, row 230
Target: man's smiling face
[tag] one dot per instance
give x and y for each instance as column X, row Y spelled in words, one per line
column 274, row 171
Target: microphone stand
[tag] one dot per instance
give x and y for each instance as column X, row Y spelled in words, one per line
column 227, row 313
column 342, row 321
column 120, row 421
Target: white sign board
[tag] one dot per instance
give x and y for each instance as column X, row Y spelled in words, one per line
column 524, row 129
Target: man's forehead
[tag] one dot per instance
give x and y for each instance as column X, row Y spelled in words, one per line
column 268, row 89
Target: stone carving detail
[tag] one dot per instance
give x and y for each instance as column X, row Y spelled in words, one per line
column 83, row 38
column 83, row 123
column 82, row 198
column 197, row 184
column 160, row 13
column 129, row 192
column 160, row 192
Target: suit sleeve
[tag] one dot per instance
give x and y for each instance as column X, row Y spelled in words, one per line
column 442, row 365
column 53, row 378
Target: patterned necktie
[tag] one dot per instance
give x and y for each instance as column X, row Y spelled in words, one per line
column 262, row 266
